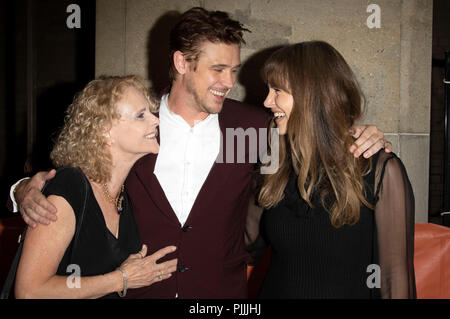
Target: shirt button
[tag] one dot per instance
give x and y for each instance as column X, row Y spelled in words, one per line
column 182, row 268
column 186, row 228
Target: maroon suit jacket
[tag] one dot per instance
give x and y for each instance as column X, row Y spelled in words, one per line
column 210, row 247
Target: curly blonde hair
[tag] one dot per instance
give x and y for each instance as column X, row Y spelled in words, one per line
column 82, row 141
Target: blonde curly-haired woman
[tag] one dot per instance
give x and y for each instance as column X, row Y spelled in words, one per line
column 108, row 127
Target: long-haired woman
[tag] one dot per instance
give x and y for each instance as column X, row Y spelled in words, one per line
column 338, row 226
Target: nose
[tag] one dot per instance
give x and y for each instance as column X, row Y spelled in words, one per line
column 154, row 120
column 268, row 102
column 228, row 79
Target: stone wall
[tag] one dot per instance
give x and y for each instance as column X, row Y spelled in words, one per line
column 393, row 62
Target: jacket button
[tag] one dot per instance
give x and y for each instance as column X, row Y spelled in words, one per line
column 186, row 228
column 182, row 268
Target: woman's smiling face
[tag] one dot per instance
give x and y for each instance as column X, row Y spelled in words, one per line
column 280, row 103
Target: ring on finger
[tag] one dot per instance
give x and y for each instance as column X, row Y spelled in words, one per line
column 160, row 276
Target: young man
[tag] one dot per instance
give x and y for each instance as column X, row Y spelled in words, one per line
column 184, row 196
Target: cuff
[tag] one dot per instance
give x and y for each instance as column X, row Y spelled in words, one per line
column 11, row 195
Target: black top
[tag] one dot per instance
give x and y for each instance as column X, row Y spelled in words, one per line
column 312, row 259
column 97, row 251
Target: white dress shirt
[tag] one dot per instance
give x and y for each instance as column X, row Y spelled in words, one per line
column 11, row 194
column 186, row 155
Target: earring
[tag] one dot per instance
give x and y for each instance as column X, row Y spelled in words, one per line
column 109, row 140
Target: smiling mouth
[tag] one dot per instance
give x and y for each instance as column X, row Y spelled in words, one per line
column 151, row 135
column 279, row 115
column 219, row 94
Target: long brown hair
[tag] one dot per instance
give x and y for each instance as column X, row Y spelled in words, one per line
column 327, row 102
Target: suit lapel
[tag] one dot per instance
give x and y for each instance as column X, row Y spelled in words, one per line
column 218, row 175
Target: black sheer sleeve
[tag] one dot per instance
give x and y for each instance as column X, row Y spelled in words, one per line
column 255, row 244
column 394, row 214
column 254, row 240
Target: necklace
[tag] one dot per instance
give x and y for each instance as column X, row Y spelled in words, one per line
column 117, row 201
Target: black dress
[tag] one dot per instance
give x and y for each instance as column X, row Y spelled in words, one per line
column 312, row 259
column 98, row 251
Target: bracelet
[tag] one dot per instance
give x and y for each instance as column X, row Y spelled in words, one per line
column 123, row 293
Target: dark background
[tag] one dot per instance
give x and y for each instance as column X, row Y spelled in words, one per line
column 43, row 64
column 441, row 43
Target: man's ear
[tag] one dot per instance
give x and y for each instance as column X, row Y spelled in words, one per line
column 180, row 63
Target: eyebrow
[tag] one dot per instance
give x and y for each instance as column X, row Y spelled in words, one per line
column 225, row 66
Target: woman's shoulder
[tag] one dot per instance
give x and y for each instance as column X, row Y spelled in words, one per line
column 69, row 182
column 386, row 162
column 379, row 162
column 389, row 169
column 68, row 174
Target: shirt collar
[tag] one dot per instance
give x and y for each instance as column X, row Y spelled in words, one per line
column 165, row 114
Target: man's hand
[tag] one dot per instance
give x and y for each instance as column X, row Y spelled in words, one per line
column 369, row 140
column 33, row 206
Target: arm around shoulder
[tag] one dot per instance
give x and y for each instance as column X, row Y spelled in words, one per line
column 26, row 196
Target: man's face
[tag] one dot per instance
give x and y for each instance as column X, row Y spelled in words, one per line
column 212, row 76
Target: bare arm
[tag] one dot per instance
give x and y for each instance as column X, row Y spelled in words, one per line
column 45, row 246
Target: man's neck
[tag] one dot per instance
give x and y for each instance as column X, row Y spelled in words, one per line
column 179, row 104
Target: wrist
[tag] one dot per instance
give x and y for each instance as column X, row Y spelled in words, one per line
column 123, row 282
